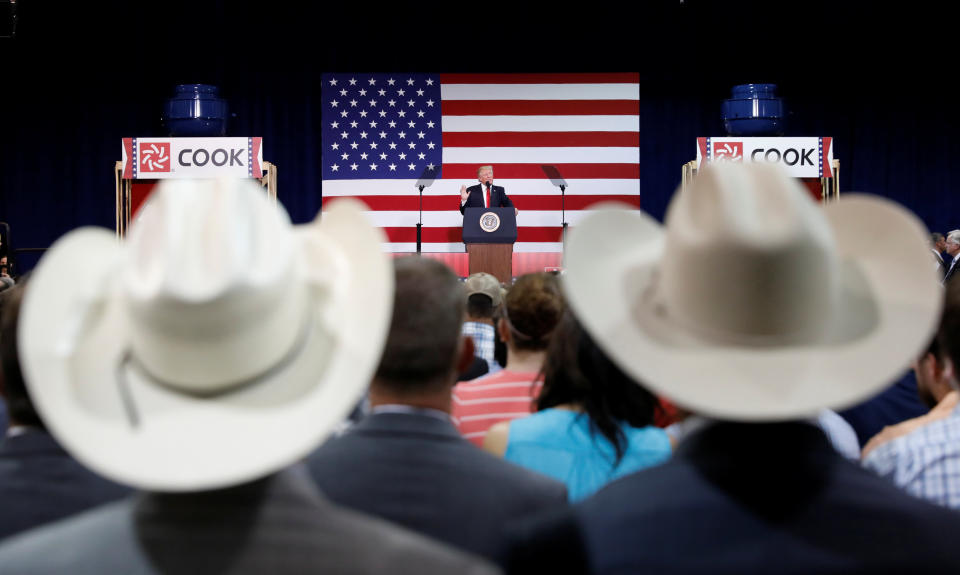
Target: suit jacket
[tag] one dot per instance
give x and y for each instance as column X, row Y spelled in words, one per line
column 744, row 499
column 418, row 471
column 476, row 199
column 941, row 265
column 40, row 483
column 951, row 271
column 276, row 525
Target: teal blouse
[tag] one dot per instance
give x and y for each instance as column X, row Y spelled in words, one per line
column 558, row 443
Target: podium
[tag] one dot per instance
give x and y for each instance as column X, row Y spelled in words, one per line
column 489, row 234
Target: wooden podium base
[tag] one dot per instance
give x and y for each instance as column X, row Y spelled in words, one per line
column 495, row 259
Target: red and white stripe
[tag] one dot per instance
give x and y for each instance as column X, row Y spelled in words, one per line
column 585, row 125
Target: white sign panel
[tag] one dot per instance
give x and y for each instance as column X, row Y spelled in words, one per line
column 802, row 157
column 165, row 158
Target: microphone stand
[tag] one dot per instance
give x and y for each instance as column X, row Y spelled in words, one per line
column 557, row 180
column 563, row 208
column 425, row 181
column 420, row 222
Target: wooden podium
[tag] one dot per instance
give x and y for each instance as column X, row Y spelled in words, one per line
column 495, row 259
column 489, row 234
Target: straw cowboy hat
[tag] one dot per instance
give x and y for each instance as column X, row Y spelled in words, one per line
column 217, row 345
column 753, row 302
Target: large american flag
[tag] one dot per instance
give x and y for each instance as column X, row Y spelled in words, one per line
column 384, row 132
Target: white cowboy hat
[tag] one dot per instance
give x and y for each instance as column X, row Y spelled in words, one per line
column 754, row 303
column 218, row 345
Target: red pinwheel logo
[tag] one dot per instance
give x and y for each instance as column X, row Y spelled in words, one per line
column 728, row 152
column 155, row 157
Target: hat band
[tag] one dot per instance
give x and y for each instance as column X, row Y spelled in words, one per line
column 651, row 306
column 129, row 360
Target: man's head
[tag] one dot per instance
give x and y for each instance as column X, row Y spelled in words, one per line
column 933, row 377
column 952, row 246
column 483, row 296
column 485, row 174
column 532, row 310
column 938, row 242
column 12, row 386
column 424, row 349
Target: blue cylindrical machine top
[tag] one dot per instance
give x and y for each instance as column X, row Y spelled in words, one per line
column 196, row 110
column 754, row 110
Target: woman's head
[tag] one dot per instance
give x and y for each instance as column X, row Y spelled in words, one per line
column 532, row 309
column 578, row 372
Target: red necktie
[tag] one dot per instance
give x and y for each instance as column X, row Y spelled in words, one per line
column 488, row 196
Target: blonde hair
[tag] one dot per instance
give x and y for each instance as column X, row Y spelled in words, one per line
column 482, row 168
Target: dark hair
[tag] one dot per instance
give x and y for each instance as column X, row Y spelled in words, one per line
column 480, row 305
column 14, row 389
column 947, row 342
column 532, row 309
column 499, row 346
column 421, row 349
column 936, row 237
column 577, row 371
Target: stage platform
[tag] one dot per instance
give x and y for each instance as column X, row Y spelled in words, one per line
column 523, row 262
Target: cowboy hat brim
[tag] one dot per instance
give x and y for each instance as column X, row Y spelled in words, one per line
column 117, row 420
column 889, row 305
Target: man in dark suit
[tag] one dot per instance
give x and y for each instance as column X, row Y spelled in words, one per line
column 405, row 461
column 953, row 250
column 756, row 489
column 485, row 194
column 938, row 245
column 39, row 481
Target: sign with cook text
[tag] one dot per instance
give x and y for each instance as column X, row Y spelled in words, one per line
column 802, row 157
column 167, row 158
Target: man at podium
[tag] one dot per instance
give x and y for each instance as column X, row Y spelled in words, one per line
column 485, row 194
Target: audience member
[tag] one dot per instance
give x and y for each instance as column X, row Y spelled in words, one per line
column 39, row 481
column 406, row 462
column 483, row 302
column 938, row 245
column 921, row 455
column 6, row 281
column 199, row 363
column 593, row 423
column 531, row 310
column 756, row 307
column 896, row 403
column 952, row 249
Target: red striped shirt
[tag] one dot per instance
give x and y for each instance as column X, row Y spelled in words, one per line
column 483, row 402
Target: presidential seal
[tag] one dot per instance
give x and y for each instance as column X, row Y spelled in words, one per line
column 489, row 222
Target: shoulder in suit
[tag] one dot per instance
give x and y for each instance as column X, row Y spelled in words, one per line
column 40, row 483
column 277, row 525
column 417, row 471
column 839, row 518
column 475, row 199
